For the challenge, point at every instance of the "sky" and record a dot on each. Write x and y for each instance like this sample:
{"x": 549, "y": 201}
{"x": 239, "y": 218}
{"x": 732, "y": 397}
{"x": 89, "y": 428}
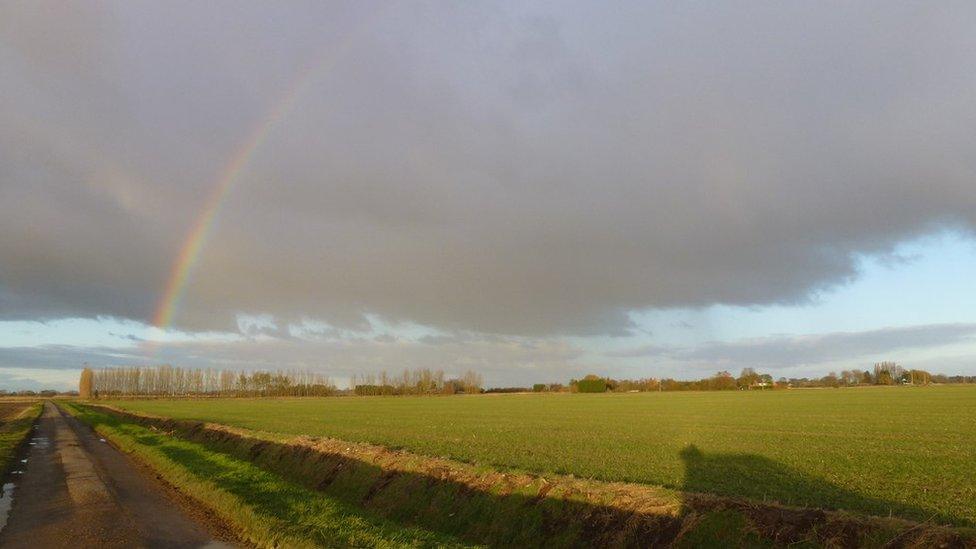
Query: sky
{"x": 534, "y": 190}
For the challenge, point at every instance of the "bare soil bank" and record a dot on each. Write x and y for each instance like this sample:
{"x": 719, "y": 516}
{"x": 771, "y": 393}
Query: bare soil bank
{"x": 500, "y": 508}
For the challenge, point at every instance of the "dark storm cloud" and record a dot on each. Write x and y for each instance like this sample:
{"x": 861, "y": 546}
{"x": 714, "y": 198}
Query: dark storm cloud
{"x": 508, "y": 169}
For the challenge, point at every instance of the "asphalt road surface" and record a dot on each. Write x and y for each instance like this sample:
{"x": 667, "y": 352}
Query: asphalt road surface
{"x": 78, "y": 491}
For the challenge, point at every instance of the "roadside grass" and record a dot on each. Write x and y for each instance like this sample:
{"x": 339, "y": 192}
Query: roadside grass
{"x": 266, "y": 509}
{"x": 16, "y": 425}
{"x": 889, "y": 451}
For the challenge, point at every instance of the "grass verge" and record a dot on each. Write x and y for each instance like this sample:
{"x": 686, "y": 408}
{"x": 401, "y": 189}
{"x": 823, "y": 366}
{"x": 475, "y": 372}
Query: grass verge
{"x": 264, "y": 508}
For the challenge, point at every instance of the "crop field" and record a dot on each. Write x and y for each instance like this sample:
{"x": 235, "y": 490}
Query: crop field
{"x": 16, "y": 417}
{"x": 906, "y": 452}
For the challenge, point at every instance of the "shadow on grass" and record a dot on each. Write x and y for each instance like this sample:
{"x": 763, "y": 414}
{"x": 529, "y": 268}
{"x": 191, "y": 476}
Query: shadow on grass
{"x": 495, "y": 514}
{"x": 396, "y": 501}
{"x": 286, "y": 507}
{"x": 762, "y": 479}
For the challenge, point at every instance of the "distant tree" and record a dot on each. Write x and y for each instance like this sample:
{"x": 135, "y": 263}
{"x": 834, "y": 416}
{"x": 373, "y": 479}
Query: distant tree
{"x": 883, "y": 377}
{"x": 722, "y": 381}
{"x": 85, "y": 383}
{"x": 830, "y": 380}
{"x": 917, "y": 377}
{"x": 850, "y": 377}
{"x": 748, "y": 377}
{"x": 472, "y": 382}
{"x": 592, "y": 384}
{"x": 887, "y": 373}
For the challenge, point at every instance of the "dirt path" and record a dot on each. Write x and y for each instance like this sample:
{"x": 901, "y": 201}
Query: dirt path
{"x": 77, "y": 491}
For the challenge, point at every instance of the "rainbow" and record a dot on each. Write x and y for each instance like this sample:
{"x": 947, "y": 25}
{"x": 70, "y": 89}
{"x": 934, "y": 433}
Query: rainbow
{"x": 229, "y": 176}
{"x": 196, "y": 240}
{"x": 189, "y": 253}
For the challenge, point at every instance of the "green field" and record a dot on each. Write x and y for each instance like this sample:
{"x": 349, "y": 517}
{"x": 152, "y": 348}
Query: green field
{"x": 16, "y": 417}
{"x": 909, "y": 452}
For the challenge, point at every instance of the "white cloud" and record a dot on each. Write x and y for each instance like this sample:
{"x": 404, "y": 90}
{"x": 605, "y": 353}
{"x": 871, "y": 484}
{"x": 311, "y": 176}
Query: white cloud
{"x": 14, "y": 379}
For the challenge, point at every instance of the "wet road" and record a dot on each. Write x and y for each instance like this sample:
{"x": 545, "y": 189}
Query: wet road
{"x": 76, "y": 491}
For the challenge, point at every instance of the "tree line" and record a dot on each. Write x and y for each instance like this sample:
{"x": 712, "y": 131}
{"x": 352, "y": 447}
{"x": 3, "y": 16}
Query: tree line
{"x": 47, "y": 393}
{"x": 883, "y": 373}
{"x": 172, "y": 381}
{"x": 417, "y": 382}
{"x": 176, "y": 381}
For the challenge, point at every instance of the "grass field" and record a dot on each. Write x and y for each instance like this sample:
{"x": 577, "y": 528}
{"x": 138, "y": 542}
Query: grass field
{"x": 16, "y": 417}
{"x": 902, "y": 451}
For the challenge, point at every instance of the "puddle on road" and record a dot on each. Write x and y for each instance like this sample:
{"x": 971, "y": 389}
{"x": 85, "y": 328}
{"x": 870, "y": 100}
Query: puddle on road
{"x": 40, "y": 442}
{"x": 6, "y": 502}
{"x": 7, "y": 492}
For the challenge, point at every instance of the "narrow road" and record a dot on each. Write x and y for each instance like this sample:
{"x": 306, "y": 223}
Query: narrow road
{"x": 77, "y": 491}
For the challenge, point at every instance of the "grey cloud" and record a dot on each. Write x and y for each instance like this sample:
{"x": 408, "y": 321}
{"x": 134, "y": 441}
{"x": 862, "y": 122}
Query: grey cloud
{"x": 641, "y": 351}
{"x": 255, "y": 328}
{"x": 130, "y": 337}
{"x": 59, "y": 357}
{"x": 502, "y": 169}
{"x": 502, "y": 362}
{"x": 791, "y": 351}
{"x": 438, "y": 339}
